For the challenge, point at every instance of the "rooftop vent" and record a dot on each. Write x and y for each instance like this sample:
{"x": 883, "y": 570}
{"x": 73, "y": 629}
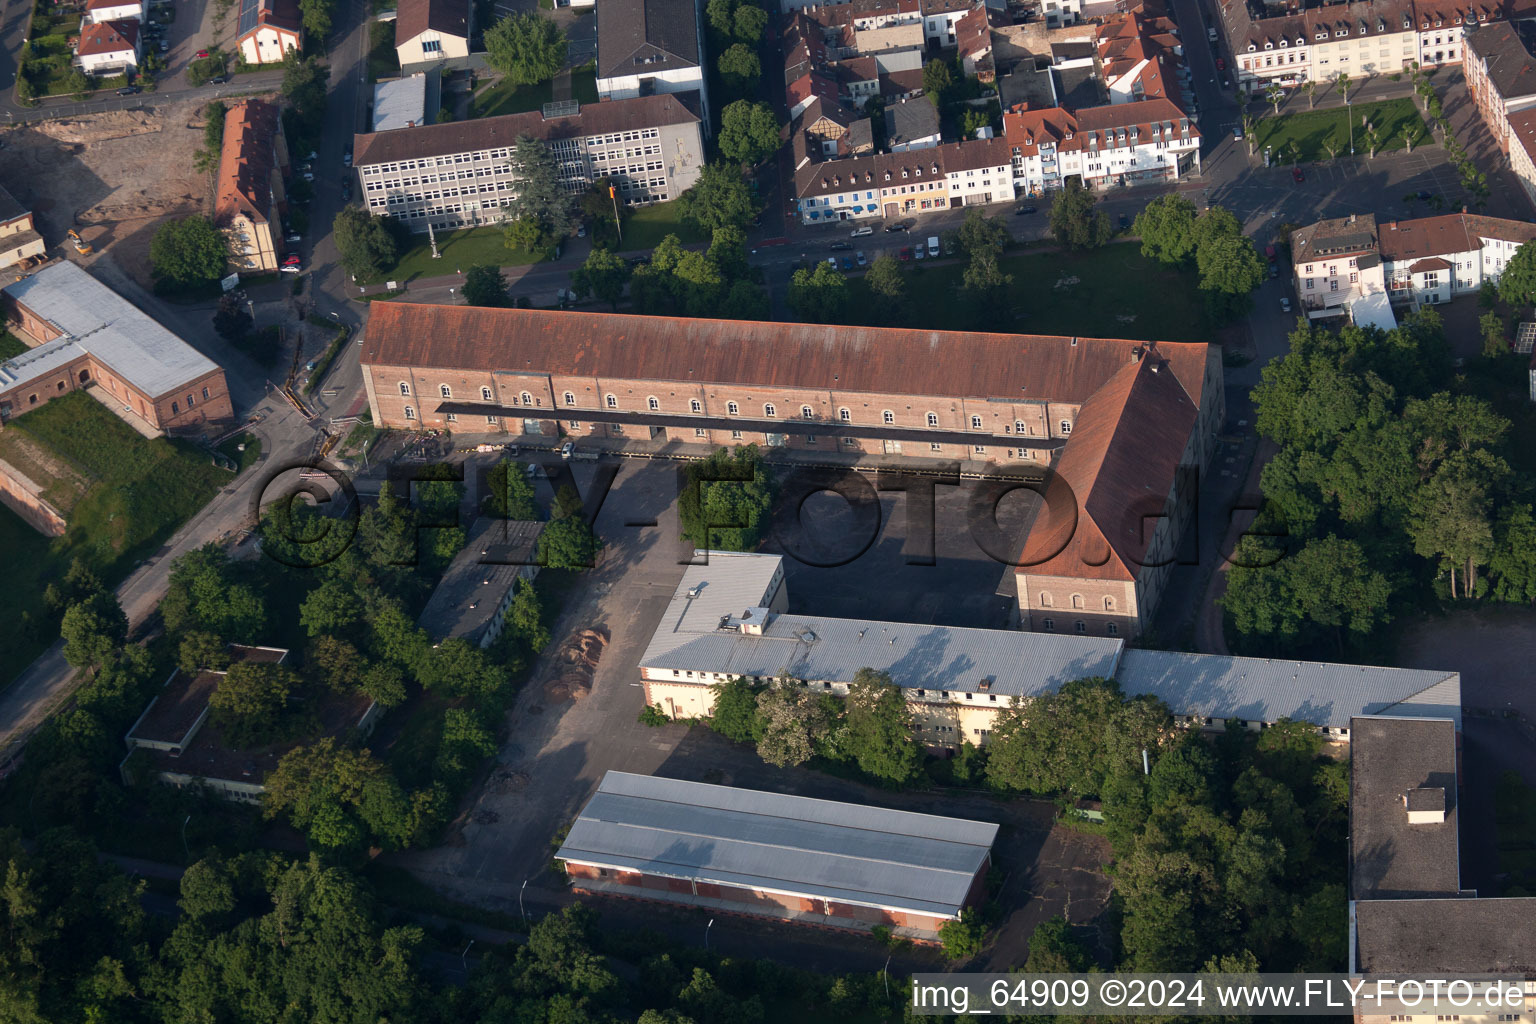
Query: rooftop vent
{"x": 985, "y": 684}
{"x": 694, "y": 592}
{"x": 753, "y": 620}
{"x": 1426, "y": 805}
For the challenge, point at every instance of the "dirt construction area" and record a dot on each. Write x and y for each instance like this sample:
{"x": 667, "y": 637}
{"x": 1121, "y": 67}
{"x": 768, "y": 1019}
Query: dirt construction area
{"x": 111, "y": 176}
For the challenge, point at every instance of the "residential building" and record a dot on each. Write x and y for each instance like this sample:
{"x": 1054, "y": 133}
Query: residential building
{"x": 475, "y": 591}
{"x": 1501, "y": 76}
{"x": 1061, "y": 13}
{"x": 720, "y": 625}
{"x": 19, "y": 239}
{"x": 108, "y": 48}
{"x": 1425, "y": 261}
{"x": 268, "y": 31}
{"x": 788, "y": 857}
{"x": 647, "y": 47}
{"x": 97, "y": 11}
{"x": 1121, "y": 144}
{"x": 406, "y": 102}
{"x": 973, "y": 44}
{"x": 911, "y": 125}
{"x": 1409, "y": 912}
{"x": 458, "y": 174}
{"x": 429, "y": 33}
{"x": 84, "y": 334}
{"x": 1127, "y": 424}
{"x": 1522, "y": 149}
{"x": 1138, "y": 58}
{"x": 174, "y": 742}
{"x": 248, "y": 197}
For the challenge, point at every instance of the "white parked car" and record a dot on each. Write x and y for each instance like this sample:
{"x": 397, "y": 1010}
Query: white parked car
{"x": 1285, "y": 304}
{"x": 568, "y": 449}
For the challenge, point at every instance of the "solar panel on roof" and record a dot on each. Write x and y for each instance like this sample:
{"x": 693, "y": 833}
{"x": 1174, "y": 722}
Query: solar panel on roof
{"x": 1525, "y": 336}
{"x": 249, "y": 9}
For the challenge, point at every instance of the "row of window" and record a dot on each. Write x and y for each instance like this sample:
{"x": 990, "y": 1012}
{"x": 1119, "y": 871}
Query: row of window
{"x": 1049, "y": 626}
{"x": 702, "y": 433}
{"x": 1077, "y": 601}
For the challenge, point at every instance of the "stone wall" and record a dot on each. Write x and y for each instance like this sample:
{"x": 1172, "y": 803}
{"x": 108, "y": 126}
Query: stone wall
{"x": 25, "y": 498}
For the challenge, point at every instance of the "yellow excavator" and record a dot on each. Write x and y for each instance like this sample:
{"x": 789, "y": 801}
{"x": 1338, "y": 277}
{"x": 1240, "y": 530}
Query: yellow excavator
{"x": 79, "y": 243}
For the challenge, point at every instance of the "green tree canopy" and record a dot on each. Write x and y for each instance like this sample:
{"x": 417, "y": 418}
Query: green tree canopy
{"x": 484, "y": 285}
{"x": 879, "y": 728}
{"x": 938, "y": 79}
{"x": 1230, "y": 269}
{"x": 734, "y": 714}
{"x": 340, "y": 798}
{"x": 1517, "y": 284}
{"x": 509, "y": 493}
{"x": 251, "y": 703}
{"x": 1167, "y": 229}
{"x": 207, "y": 592}
{"x": 93, "y": 629}
{"x": 749, "y": 132}
{"x": 365, "y": 243}
{"x": 188, "y": 251}
{"x": 1075, "y": 223}
{"x": 527, "y": 48}
{"x": 727, "y": 501}
{"x": 888, "y": 288}
{"x": 540, "y": 202}
{"x": 719, "y": 197}
{"x": 603, "y": 275}
{"x": 819, "y": 294}
{"x": 793, "y": 723}
{"x": 740, "y": 68}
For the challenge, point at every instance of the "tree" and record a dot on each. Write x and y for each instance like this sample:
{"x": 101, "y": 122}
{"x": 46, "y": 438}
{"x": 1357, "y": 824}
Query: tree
{"x": 1495, "y": 343}
{"x": 251, "y": 702}
{"x": 1074, "y": 222}
{"x": 720, "y": 196}
{"x": 1451, "y": 518}
{"x": 749, "y": 132}
{"x": 201, "y": 650}
{"x": 525, "y": 618}
{"x": 749, "y": 22}
{"x": 888, "y": 288}
{"x": 231, "y": 320}
{"x": 879, "y": 728}
{"x": 93, "y": 629}
{"x": 1411, "y": 134}
{"x": 734, "y": 714}
{"x": 1230, "y": 269}
{"x": 364, "y": 242}
{"x": 567, "y": 542}
{"x": 316, "y": 15}
{"x": 1167, "y": 229}
{"x": 1372, "y": 140}
{"x": 509, "y": 493}
{"x": 793, "y": 722}
{"x": 188, "y": 251}
{"x": 745, "y": 300}
{"x": 938, "y": 79}
{"x": 384, "y": 684}
{"x": 484, "y": 285}
{"x": 204, "y": 593}
{"x": 1328, "y": 586}
{"x": 598, "y": 203}
{"x": 740, "y": 68}
{"x": 1310, "y": 88}
{"x": 1250, "y": 123}
{"x": 818, "y": 294}
{"x": 1512, "y": 564}
{"x": 304, "y": 85}
{"x": 604, "y": 275}
{"x": 340, "y": 798}
{"x": 1274, "y": 94}
{"x": 728, "y": 499}
{"x": 1517, "y": 285}
{"x": 978, "y": 231}
{"x": 1331, "y": 146}
{"x": 972, "y": 121}
{"x": 986, "y": 286}
{"x": 527, "y": 48}
{"x": 728, "y": 252}
{"x": 540, "y": 200}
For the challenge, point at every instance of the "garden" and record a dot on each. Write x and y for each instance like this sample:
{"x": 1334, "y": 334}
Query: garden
{"x": 1317, "y": 135}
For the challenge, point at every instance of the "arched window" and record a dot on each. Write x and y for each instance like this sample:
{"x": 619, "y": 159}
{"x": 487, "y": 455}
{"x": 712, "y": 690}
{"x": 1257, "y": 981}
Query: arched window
{"x": 653, "y": 403}
{"x": 887, "y": 417}
{"x": 1045, "y": 600}
{"x": 570, "y": 399}
{"x": 1109, "y": 604}
{"x": 1066, "y": 427}
{"x": 806, "y": 413}
{"x": 769, "y": 411}
{"x": 845, "y": 415}
{"x": 405, "y": 389}
{"x": 975, "y": 422}
{"x": 732, "y": 408}
{"x": 445, "y": 390}
{"x": 694, "y": 405}
{"x": 485, "y": 394}
{"x": 410, "y": 413}
{"x": 1077, "y": 600}
{"x": 1019, "y": 427}
{"x": 933, "y": 419}
{"x": 611, "y": 402}
{"x": 527, "y": 398}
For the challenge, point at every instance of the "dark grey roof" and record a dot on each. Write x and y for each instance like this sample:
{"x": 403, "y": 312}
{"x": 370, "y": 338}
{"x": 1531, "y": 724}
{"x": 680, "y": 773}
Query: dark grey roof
{"x": 861, "y": 133}
{"x": 10, "y": 209}
{"x": 868, "y": 856}
{"x": 1511, "y": 68}
{"x": 1072, "y": 50}
{"x": 1078, "y": 88}
{"x": 1389, "y": 858}
{"x": 1355, "y": 233}
{"x": 479, "y": 577}
{"x": 913, "y": 119}
{"x": 1446, "y": 937}
{"x": 1268, "y": 689}
{"x": 636, "y": 37}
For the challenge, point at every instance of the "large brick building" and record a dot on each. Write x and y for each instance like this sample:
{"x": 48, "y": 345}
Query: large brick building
{"x": 86, "y": 335}
{"x": 1128, "y": 425}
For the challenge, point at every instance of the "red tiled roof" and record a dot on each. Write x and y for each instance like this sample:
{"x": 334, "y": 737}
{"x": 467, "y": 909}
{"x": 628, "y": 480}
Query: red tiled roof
{"x": 246, "y": 162}
{"x": 805, "y": 356}
{"x": 413, "y": 17}
{"x": 108, "y": 37}
{"x": 1425, "y": 266}
{"x": 1446, "y": 234}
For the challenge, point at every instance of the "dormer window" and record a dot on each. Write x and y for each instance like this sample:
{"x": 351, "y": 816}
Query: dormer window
{"x": 1342, "y": 32}
{"x": 1269, "y": 46}
{"x": 1300, "y": 41}
{"x": 887, "y": 175}
{"x": 1407, "y": 22}
{"x": 1437, "y": 23}
{"x": 1251, "y": 47}
{"x": 903, "y": 172}
{"x": 1320, "y": 35}
{"x": 935, "y": 168}
{"x": 918, "y": 172}
{"x": 1284, "y": 43}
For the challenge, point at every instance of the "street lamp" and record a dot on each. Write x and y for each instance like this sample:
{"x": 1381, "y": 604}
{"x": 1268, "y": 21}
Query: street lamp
{"x": 1349, "y": 115}
{"x": 464, "y": 957}
{"x": 706, "y": 933}
{"x": 520, "y": 909}
{"x": 184, "y": 838}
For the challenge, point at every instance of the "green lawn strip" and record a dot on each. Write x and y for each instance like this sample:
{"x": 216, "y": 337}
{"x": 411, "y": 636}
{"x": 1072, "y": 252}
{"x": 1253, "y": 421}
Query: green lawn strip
{"x": 324, "y": 362}
{"x": 1110, "y": 292}
{"x": 648, "y": 225}
{"x": 1515, "y": 820}
{"x": 460, "y": 250}
{"x": 244, "y": 459}
{"x": 505, "y": 98}
{"x": 383, "y": 61}
{"x": 584, "y": 84}
{"x": 10, "y": 345}
{"x": 30, "y": 566}
{"x": 1311, "y": 128}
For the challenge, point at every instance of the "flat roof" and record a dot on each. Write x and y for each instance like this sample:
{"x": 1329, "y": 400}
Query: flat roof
{"x": 470, "y": 591}
{"x": 400, "y": 103}
{"x": 1373, "y": 309}
{"x": 93, "y": 318}
{"x": 1268, "y": 689}
{"x": 870, "y": 856}
{"x": 1389, "y": 858}
{"x": 184, "y": 697}
{"x": 1443, "y": 937}
{"x": 728, "y": 584}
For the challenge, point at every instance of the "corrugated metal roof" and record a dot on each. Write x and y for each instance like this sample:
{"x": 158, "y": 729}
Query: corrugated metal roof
{"x": 1266, "y": 690}
{"x": 400, "y": 103}
{"x": 106, "y": 325}
{"x": 729, "y": 584}
{"x": 869, "y": 856}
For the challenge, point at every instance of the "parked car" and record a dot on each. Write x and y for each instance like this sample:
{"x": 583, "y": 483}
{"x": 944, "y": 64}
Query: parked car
{"x": 1125, "y": 223}
{"x": 919, "y": 253}
{"x": 905, "y": 255}
{"x": 346, "y": 191}
{"x": 1023, "y": 211}
{"x": 568, "y": 449}
{"x": 218, "y": 79}
{"x": 307, "y": 175}
{"x": 128, "y": 90}
{"x": 295, "y": 269}
{"x": 293, "y": 259}
{"x": 1423, "y": 197}
{"x": 836, "y": 246}
{"x": 291, "y": 237}
{"x": 346, "y": 158}
{"x": 1274, "y": 269}
{"x": 1237, "y": 132}
{"x": 1221, "y": 65}
{"x": 847, "y": 263}
{"x": 861, "y": 232}
{"x": 200, "y": 54}
{"x": 165, "y": 44}
{"x": 858, "y": 258}
{"x": 832, "y": 262}
{"x": 1285, "y": 304}
{"x": 581, "y": 232}
{"x": 1297, "y": 176}
{"x": 531, "y": 470}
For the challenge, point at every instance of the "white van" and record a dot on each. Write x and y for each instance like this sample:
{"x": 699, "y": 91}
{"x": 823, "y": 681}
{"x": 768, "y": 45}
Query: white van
{"x": 861, "y": 232}
{"x": 933, "y": 246}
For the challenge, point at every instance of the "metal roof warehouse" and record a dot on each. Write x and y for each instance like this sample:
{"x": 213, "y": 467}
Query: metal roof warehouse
{"x": 786, "y": 856}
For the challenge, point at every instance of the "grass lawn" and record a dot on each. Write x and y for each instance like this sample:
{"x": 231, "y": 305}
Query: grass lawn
{"x": 1515, "y": 816}
{"x": 648, "y": 225}
{"x": 137, "y": 492}
{"x": 1111, "y": 292}
{"x": 1310, "y": 129}
{"x": 584, "y": 83}
{"x": 244, "y": 459}
{"x": 383, "y": 61}
{"x": 460, "y": 250}
{"x": 505, "y": 98}
{"x": 10, "y": 345}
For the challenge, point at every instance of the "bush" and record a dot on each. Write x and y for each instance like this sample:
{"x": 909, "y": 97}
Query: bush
{"x": 963, "y": 939}
{"x": 653, "y": 716}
